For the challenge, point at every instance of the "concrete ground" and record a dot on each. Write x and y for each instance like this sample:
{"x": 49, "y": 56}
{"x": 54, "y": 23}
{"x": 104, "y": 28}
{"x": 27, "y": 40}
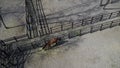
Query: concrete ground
{"x": 97, "y": 50}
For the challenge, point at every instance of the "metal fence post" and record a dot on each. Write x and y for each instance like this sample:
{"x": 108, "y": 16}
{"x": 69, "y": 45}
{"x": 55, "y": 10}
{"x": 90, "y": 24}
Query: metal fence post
{"x": 111, "y": 24}
{"x": 91, "y": 20}
{"x": 91, "y": 30}
{"x": 101, "y": 27}
{"x": 80, "y": 32}
{"x": 110, "y": 15}
{"x": 51, "y": 30}
{"x": 101, "y": 17}
{"x": 61, "y": 26}
{"x": 82, "y": 22}
{"x": 72, "y": 25}
{"x": 69, "y": 35}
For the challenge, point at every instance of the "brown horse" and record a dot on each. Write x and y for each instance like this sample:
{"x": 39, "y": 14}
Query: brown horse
{"x": 51, "y": 43}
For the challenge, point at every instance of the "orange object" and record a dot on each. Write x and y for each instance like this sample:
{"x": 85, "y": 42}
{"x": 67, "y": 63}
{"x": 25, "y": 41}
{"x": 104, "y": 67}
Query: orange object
{"x": 51, "y": 42}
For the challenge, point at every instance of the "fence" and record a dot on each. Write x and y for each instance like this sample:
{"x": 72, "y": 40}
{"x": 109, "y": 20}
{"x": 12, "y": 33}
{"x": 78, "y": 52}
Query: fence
{"x": 83, "y": 22}
{"x": 90, "y": 29}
